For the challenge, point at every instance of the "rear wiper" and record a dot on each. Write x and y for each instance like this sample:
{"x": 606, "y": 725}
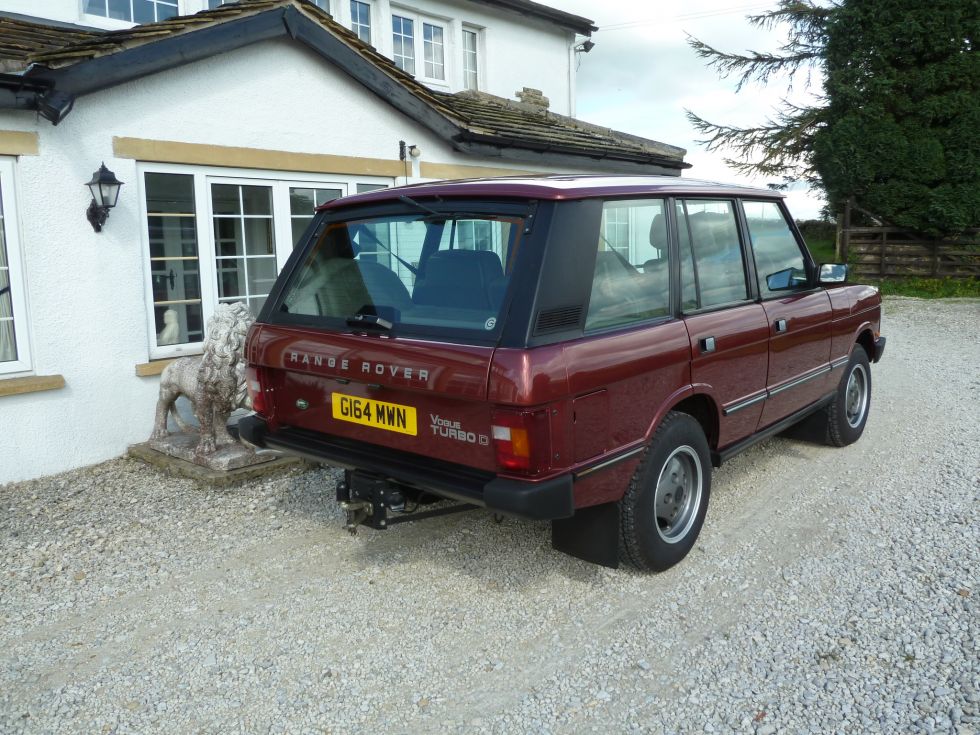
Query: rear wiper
{"x": 419, "y": 206}
{"x": 369, "y": 320}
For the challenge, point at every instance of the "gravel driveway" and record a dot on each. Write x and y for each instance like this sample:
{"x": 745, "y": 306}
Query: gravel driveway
{"x": 832, "y": 590}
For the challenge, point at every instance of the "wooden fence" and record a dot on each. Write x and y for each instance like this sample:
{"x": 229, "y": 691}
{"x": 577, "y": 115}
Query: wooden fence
{"x": 889, "y": 252}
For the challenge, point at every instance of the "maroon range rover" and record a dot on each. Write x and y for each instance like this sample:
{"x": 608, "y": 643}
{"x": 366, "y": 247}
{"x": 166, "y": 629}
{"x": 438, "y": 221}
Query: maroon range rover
{"x": 575, "y": 349}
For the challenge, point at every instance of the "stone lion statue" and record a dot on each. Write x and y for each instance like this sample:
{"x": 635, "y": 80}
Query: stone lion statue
{"x": 214, "y": 382}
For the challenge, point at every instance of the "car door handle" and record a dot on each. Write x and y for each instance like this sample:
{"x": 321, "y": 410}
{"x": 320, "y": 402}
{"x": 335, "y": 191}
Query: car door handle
{"x": 706, "y": 344}
{"x": 780, "y": 325}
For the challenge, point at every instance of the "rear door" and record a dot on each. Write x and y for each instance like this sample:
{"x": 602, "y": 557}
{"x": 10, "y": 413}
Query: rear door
{"x": 727, "y": 329}
{"x": 799, "y": 317}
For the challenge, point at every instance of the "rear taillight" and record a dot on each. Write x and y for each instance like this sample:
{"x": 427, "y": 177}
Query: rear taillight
{"x": 256, "y": 390}
{"x": 522, "y": 440}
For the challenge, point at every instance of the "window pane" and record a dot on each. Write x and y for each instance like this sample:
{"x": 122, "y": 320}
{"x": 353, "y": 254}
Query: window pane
{"x": 362, "y": 188}
{"x": 166, "y": 10}
{"x": 257, "y": 199}
{"x": 327, "y": 195}
{"x": 178, "y": 323}
{"x": 224, "y": 199}
{"x": 174, "y": 266}
{"x": 360, "y": 15}
{"x": 299, "y": 227}
{"x": 403, "y": 43}
{"x": 261, "y": 275}
{"x": 8, "y": 338}
{"x": 258, "y": 237}
{"x": 169, "y": 193}
{"x": 95, "y": 7}
{"x": 718, "y": 266}
{"x": 631, "y": 276}
{"x": 470, "y": 68}
{"x": 301, "y": 201}
{"x": 120, "y": 9}
{"x": 689, "y": 287}
{"x": 228, "y": 239}
{"x": 433, "y": 51}
{"x": 231, "y": 278}
{"x": 774, "y": 247}
{"x": 143, "y": 11}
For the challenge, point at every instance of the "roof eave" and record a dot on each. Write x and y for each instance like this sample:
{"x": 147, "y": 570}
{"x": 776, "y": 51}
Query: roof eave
{"x": 576, "y": 23}
{"x": 514, "y": 150}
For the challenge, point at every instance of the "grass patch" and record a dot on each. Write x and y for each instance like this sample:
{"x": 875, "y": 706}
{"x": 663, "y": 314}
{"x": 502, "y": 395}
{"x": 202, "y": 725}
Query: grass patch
{"x": 931, "y": 288}
{"x": 823, "y": 251}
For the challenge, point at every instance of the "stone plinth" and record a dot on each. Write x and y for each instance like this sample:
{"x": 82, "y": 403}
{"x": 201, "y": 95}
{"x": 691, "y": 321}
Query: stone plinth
{"x": 231, "y": 463}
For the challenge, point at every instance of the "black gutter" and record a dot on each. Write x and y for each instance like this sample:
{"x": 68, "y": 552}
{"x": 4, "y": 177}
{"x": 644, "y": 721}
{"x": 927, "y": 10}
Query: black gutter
{"x": 20, "y": 93}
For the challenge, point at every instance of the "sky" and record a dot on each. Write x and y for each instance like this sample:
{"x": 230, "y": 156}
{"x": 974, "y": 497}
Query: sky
{"x": 642, "y": 75}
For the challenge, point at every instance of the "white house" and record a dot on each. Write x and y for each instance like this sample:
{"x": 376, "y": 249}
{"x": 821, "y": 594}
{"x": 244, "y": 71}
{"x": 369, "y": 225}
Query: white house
{"x": 227, "y": 125}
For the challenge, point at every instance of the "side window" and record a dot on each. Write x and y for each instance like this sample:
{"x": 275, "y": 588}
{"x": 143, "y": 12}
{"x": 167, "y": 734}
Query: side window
{"x": 778, "y": 258}
{"x": 712, "y": 269}
{"x": 630, "y": 281}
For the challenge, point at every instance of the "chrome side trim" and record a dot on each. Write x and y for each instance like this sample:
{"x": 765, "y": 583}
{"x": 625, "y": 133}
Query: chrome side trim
{"x": 834, "y": 364}
{"x": 608, "y": 462}
{"x": 745, "y": 404}
{"x": 799, "y": 381}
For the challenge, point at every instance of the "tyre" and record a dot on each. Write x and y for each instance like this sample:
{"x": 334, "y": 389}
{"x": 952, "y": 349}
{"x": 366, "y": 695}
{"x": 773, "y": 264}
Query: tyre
{"x": 848, "y": 413}
{"x": 664, "y": 507}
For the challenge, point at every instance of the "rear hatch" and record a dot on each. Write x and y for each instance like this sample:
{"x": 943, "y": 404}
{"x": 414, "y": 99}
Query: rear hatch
{"x": 383, "y": 329}
{"x": 405, "y": 394}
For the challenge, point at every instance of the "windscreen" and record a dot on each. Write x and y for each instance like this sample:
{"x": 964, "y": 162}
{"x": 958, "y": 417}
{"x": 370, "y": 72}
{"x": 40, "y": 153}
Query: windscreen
{"x": 423, "y": 270}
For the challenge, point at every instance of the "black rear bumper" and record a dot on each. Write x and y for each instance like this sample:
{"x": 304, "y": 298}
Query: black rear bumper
{"x": 879, "y": 348}
{"x": 542, "y": 500}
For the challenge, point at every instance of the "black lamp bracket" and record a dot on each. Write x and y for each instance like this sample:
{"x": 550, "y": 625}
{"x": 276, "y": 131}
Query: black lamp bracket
{"x": 96, "y": 215}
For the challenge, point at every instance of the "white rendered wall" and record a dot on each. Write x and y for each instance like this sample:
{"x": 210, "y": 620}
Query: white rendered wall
{"x": 516, "y": 50}
{"x": 86, "y": 291}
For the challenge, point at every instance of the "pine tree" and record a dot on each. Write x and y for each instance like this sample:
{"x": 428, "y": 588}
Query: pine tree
{"x": 898, "y": 124}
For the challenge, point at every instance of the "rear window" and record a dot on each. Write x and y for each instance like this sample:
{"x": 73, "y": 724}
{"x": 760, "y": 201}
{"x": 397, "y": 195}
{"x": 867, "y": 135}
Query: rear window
{"x": 430, "y": 271}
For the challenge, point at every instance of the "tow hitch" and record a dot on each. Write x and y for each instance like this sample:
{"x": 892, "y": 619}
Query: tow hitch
{"x": 369, "y": 500}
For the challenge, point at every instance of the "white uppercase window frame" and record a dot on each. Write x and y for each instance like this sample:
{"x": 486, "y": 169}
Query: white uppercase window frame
{"x": 14, "y": 272}
{"x": 472, "y": 58}
{"x": 357, "y": 24}
{"x": 421, "y": 41}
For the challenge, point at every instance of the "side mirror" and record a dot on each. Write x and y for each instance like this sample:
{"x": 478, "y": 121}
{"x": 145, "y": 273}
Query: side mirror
{"x": 786, "y": 280}
{"x": 833, "y": 273}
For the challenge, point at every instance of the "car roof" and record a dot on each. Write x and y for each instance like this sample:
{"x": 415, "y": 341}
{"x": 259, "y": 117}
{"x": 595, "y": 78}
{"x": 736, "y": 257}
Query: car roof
{"x": 555, "y": 188}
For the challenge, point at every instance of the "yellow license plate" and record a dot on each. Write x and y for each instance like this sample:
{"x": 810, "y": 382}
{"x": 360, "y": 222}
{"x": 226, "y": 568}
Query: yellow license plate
{"x": 380, "y": 415}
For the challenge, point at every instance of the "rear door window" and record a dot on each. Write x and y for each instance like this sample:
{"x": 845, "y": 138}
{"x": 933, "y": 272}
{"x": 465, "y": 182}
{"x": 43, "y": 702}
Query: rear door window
{"x": 630, "y": 282}
{"x": 779, "y": 261}
{"x": 414, "y": 270}
{"x": 712, "y": 267}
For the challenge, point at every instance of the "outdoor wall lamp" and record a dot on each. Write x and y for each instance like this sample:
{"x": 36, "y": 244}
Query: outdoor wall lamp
{"x": 405, "y": 150}
{"x": 105, "y": 192}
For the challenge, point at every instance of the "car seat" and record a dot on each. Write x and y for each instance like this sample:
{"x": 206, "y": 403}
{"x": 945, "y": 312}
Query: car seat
{"x": 460, "y": 279}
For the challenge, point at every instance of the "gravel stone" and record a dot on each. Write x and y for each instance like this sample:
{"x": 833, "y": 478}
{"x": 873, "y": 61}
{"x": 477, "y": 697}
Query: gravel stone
{"x": 836, "y": 592}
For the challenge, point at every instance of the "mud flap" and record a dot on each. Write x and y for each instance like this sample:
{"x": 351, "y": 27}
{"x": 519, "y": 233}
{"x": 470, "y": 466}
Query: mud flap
{"x": 592, "y": 534}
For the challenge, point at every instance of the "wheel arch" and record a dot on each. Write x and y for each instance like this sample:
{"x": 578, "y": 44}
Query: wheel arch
{"x": 700, "y": 406}
{"x": 866, "y": 339}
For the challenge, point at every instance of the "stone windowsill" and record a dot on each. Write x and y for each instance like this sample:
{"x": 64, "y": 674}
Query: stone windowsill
{"x": 30, "y": 384}
{"x": 153, "y": 367}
